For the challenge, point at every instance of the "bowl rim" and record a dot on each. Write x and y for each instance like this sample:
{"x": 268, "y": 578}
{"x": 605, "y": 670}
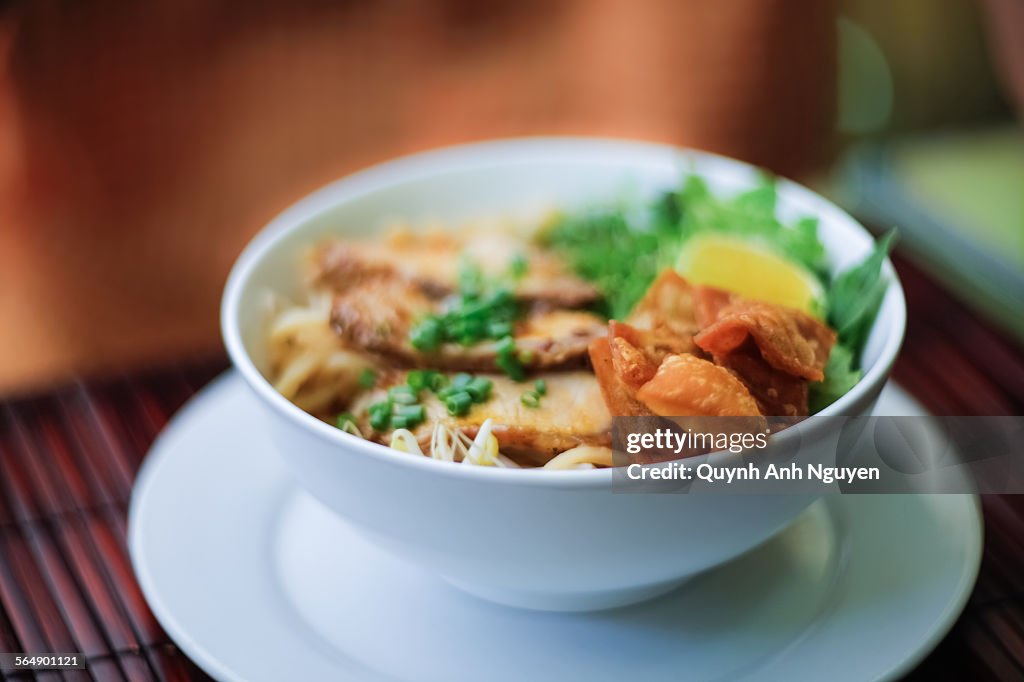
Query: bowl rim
{"x": 477, "y": 156}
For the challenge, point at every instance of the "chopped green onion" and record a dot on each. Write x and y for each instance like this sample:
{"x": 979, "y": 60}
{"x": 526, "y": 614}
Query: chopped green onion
{"x": 507, "y": 360}
{"x": 380, "y": 415}
{"x": 461, "y": 380}
{"x": 413, "y": 414}
{"x": 438, "y": 381}
{"x": 343, "y": 419}
{"x": 427, "y": 335}
{"x": 512, "y": 367}
{"x": 400, "y": 422}
{"x": 480, "y": 389}
{"x": 426, "y": 380}
{"x": 540, "y": 386}
{"x": 409, "y": 410}
{"x": 459, "y": 403}
{"x": 418, "y": 379}
{"x": 367, "y": 378}
{"x": 403, "y": 395}
{"x": 478, "y": 314}
{"x": 530, "y": 399}
{"x": 449, "y": 391}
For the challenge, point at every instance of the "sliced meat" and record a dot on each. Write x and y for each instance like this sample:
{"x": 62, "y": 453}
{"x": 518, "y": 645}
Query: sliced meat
{"x": 557, "y": 338}
{"x": 378, "y": 315}
{"x": 432, "y": 261}
{"x": 571, "y": 413}
{"x": 787, "y": 339}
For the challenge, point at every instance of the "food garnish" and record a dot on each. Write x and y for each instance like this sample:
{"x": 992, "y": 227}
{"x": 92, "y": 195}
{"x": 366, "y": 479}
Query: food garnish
{"x": 367, "y": 378}
{"x": 623, "y": 248}
{"x": 751, "y": 269}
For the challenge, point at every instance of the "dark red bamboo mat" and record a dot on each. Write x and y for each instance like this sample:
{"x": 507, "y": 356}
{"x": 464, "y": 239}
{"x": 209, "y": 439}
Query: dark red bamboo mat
{"x": 68, "y": 459}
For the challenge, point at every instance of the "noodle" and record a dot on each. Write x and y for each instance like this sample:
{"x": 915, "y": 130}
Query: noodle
{"x": 309, "y": 365}
{"x": 582, "y": 457}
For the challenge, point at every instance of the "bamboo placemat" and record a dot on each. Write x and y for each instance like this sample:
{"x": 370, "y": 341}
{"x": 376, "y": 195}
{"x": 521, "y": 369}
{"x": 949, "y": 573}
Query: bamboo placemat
{"x": 68, "y": 459}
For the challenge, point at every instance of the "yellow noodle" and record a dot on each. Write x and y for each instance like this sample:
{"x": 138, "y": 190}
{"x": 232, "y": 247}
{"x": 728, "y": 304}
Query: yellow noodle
{"x": 308, "y": 364}
{"x": 595, "y": 455}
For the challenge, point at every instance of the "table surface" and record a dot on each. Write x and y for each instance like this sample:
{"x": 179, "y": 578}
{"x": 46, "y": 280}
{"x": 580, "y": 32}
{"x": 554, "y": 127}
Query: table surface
{"x": 68, "y": 459}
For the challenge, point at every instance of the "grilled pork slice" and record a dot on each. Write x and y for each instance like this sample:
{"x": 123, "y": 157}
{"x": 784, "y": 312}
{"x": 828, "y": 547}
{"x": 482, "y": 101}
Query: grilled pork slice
{"x": 571, "y": 413}
{"x": 432, "y": 262}
{"x": 378, "y": 316}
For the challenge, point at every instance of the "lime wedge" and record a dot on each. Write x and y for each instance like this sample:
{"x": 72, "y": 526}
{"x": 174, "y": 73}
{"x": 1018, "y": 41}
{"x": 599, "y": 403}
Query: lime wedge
{"x": 750, "y": 269}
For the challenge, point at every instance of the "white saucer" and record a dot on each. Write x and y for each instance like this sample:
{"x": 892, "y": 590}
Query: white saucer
{"x": 256, "y": 581}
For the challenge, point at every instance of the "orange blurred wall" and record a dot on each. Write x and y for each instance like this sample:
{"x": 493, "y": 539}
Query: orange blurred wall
{"x": 141, "y": 144}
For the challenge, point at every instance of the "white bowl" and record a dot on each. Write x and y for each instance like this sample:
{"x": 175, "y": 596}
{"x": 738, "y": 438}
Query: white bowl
{"x": 555, "y": 540}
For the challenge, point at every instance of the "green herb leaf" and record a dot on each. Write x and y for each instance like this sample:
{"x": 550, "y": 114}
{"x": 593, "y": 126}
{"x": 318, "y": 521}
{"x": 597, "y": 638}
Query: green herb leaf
{"x": 622, "y": 249}
{"x": 840, "y": 376}
{"x": 606, "y": 248}
{"x": 856, "y": 294}
{"x": 518, "y": 266}
{"x": 471, "y": 280}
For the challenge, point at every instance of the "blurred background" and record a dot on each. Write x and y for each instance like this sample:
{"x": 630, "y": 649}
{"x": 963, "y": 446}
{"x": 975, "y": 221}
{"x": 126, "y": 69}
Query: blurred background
{"x": 143, "y": 143}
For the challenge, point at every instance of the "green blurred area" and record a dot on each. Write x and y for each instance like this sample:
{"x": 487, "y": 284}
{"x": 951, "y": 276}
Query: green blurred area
{"x": 973, "y": 182}
{"x": 930, "y": 143}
